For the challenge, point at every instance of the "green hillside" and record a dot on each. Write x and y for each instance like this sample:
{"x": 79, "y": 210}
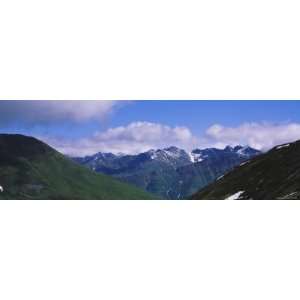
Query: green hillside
{"x": 30, "y": 169}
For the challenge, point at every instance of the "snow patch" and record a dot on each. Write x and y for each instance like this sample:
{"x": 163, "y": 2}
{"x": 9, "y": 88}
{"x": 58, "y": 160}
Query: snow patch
{"x": 192, "y": 159}
{"x": 246, "y": 162}
{"x": 242, "y": 151}
{"x": 195, "y": 157}
{"x": 289, "y": 195}
{"x": 235, "y": 196}
{"x": 282, "y": 146}
{"x": 220, "y": 177}
{"x": 153, "y": 154}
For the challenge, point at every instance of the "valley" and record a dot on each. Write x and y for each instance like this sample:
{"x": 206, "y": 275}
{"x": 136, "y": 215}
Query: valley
{"x": 169, "y": 173}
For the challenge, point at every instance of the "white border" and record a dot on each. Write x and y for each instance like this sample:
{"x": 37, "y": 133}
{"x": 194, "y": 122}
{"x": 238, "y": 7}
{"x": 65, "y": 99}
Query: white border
{"x": 149, "y": 250}
{"x": 135, "y": 49}
{"x": 138, "y": 49}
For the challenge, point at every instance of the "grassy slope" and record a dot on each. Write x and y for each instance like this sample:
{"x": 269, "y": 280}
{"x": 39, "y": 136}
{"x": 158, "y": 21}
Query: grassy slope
{"x": 29, "y": 169}
{"x": 273, "y": 175}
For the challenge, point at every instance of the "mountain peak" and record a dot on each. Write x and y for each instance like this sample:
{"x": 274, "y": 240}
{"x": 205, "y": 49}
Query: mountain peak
{"x": 18, "y": 145}
{"x": 244, "y": 151}
{"x": 30, "y": 169}
{"x": 172, "y": 149}
{"x": 228, "y": 148}
{"x": 239, "y": 147}
{"x": 168, "y": 154}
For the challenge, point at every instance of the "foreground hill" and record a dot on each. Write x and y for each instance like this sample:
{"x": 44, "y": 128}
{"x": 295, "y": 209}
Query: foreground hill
{"x": 30, "y": 169}
{"x": 170, "y": 173}
{"x": 273, "y": 175}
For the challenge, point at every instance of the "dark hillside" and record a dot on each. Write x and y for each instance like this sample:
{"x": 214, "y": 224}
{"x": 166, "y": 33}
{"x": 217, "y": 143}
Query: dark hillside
{"x": 273, "y": 175}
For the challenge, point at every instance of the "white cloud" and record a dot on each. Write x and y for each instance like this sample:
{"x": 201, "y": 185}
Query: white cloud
{"x": 133, "y": 138}
{"x": 47, "y": 111}
{"x": 138, "y": 137}
{"x": 261, "y": 136}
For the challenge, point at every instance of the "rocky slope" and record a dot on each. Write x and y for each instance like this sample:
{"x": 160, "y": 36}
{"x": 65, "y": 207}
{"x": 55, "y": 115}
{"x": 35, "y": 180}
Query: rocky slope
{"x": 273, "y": 175}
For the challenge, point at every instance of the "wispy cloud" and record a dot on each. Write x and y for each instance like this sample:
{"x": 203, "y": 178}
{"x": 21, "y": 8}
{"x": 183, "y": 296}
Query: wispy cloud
{"x": 34, "y": 112}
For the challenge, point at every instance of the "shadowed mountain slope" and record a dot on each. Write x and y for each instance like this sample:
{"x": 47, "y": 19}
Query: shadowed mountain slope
{"x": 273, "y": 175}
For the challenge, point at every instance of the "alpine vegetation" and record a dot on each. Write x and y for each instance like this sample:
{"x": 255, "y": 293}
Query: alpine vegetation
{"x": 30, "y": 169}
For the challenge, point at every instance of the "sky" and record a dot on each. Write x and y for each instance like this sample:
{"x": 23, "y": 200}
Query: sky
{"x": 81, "y": 128}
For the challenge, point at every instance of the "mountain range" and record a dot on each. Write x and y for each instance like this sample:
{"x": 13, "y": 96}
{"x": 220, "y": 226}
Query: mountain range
{"x": 169, "y": 173}
{"x": 30, "y": 169}
{"x": 272, "y": 175}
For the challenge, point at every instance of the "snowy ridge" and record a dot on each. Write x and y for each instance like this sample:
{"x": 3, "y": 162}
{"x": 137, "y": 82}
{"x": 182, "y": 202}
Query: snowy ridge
{"x": 173, "y": 155}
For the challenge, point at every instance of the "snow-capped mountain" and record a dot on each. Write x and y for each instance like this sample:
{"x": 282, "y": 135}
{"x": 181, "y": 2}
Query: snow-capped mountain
{"x": 94, "y": 161}
{"x": 243, "y": 151}
{"x": 170, "y": 172}
{"x": 172, "y": 155}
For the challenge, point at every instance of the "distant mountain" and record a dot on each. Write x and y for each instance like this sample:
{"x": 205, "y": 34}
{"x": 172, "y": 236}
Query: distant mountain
{"x": 171, "y": 173}
{"x": 273, "y": 175}
{"x": 211, "y": 163}
{"x": 30, "y": 169}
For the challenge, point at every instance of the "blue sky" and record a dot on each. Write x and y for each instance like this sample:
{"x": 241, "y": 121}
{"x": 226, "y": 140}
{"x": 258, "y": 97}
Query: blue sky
{"x": 198, "y": 115}
{"x": 133, "y": 126}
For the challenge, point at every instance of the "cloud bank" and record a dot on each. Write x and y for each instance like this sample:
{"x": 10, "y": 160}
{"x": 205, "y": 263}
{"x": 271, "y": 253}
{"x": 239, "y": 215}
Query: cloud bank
{"x": 138, "y": 137}
{"x": 134, "y": 138}
{"x": 261, "y": 136}
{"x": 32, "y": 112}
